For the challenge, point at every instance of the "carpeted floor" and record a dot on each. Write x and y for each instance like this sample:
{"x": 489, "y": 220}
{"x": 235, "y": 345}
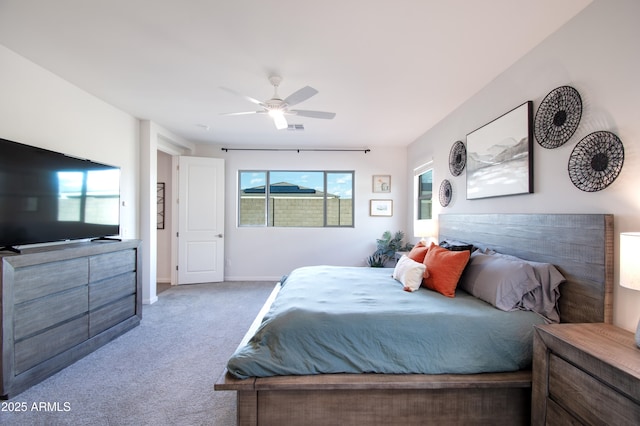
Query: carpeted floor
{"x": 160, "y": 373}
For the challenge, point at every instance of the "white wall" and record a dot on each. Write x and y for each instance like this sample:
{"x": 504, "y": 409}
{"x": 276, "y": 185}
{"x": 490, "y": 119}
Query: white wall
{"x": 597, "y": 53}
{"x": 268, "y": 253}
{"x": 40, "y": 109}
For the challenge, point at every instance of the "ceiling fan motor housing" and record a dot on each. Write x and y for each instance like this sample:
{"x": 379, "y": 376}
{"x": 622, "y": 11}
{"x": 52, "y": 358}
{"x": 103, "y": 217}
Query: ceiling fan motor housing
{"x": 275, "y": 80}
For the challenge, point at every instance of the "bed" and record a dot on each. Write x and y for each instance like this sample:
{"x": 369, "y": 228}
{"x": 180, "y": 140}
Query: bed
{"x": 579, "y": 245}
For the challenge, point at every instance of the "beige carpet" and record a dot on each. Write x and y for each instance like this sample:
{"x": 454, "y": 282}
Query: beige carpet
{"x": 160, "y": 373}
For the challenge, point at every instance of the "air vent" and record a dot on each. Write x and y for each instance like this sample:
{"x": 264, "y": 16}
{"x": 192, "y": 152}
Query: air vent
{"x": 296, "y": 127}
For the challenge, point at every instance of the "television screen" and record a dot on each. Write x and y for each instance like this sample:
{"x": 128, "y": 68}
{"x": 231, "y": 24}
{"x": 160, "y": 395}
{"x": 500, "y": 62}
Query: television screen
{"x": 46, "y": 196}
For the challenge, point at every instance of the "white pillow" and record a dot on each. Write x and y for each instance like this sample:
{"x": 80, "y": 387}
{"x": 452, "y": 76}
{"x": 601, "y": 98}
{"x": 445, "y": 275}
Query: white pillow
{"x": 409, "y": 273}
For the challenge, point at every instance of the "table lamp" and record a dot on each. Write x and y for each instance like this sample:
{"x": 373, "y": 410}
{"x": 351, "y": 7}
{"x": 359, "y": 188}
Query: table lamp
{"x": 630, "y": 266}
{"x": 426, "y": 229}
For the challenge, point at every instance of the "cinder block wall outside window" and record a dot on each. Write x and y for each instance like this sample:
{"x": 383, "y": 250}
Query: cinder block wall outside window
{"x": 296, "y": 211}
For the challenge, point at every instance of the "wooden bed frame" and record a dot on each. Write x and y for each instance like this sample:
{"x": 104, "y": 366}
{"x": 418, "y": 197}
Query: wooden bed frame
{"x": 580, "y": 245}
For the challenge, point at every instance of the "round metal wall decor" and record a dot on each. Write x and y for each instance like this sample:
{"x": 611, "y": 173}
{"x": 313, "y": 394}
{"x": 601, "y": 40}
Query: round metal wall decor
{"x": 558, "y": 117}
{"x": 457, "y": 158}
{"x": 446, "y": 192}
{"x": 596, "y": 161}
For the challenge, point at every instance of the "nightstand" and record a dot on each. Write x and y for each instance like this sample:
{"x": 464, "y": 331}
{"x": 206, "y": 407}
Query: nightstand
{"x": 585, "y": 373}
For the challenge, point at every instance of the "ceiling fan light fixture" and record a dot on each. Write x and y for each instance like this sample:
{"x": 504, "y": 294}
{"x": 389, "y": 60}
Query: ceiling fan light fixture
{"x": 273, "y": 113}
{"x": 278, "y": 119}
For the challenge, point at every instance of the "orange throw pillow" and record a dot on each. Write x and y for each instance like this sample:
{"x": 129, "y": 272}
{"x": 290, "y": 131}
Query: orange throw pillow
{"x": 418, "y": 252}
{"x": 444, "y": 269}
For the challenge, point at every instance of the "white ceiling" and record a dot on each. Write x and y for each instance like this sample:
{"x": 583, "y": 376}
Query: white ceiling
{"x": 390, "y": 70}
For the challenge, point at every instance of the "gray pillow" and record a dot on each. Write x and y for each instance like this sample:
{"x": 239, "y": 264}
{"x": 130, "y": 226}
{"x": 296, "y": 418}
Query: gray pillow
{"x": 544, "y": 299}
{"x": 498, "y": 281}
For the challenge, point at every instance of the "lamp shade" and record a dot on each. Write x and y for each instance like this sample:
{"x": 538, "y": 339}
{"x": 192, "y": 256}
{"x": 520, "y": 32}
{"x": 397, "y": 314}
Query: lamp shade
{"x": 425, "y": 228}
{"x": 630, "y": 260}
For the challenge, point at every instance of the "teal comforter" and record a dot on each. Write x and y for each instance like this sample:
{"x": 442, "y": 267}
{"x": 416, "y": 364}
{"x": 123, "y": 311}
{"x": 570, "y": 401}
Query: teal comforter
{"x": 329, "y": 319}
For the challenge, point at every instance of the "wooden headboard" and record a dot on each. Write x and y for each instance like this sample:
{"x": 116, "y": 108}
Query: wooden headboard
{"x": 579, "y": 245}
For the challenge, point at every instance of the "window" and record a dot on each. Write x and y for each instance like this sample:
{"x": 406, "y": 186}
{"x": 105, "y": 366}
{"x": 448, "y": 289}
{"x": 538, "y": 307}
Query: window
{"x": 425, "y": 195}
{"x": 295, "y": 198}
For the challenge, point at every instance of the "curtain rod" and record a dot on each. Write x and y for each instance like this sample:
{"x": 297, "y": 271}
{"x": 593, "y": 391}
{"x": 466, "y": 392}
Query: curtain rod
{"x": 365, "y": 150}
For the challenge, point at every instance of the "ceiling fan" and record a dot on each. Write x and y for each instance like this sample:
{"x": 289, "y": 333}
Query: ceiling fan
{"x": 277, "y": 107}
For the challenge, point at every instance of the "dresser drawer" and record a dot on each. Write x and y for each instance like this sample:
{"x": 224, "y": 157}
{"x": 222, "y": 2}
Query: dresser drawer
{"x": 36, "y": 281}
{"x": 568, "y": 386}
{"x": 37, "y": 315}
{"x": 111, "y": 289}
{"x": 111, "y": 314}
{"x": 41, "y": 347}
{"x": 111, "y": 264}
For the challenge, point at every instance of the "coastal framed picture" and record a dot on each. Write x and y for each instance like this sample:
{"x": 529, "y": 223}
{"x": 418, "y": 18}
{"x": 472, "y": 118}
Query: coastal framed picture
{"x": 381, "y": 208}
{"x": 500, "y": 155}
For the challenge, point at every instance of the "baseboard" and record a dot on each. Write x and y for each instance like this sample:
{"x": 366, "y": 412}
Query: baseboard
{"x": 150, "y": 301}
{"x": 253, "y": 278}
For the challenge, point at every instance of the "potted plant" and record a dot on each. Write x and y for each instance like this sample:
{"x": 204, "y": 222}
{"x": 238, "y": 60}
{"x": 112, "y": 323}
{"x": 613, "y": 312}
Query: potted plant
{"x": 387, "y": 246}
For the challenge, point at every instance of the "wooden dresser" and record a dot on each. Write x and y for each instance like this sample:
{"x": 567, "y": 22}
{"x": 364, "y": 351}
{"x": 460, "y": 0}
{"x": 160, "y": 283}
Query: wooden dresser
{"x": 585, "y": 374}
{"x": 62, "y": 302}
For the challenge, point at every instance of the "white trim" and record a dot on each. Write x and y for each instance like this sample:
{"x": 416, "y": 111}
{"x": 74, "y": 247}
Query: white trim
{"x": 254, "y": 278}
{"x": 422, "y": 223}
{"x": 423, "y": 168}
{"x": 150, "y": 301}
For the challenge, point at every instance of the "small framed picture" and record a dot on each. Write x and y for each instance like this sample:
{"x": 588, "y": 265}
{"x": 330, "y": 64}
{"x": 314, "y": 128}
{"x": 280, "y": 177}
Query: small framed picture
{"x": 381, "y": 183}
{"x": 381, "y": 208}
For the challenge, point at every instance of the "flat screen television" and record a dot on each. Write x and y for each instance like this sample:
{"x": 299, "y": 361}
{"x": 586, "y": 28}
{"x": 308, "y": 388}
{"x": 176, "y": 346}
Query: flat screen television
{"x": 47, "y": 196}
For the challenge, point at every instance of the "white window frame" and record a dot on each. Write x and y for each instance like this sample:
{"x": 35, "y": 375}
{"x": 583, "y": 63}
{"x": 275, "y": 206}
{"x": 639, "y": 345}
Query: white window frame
{"x": 423, "y": 228}
{"x": 268, "y": 194}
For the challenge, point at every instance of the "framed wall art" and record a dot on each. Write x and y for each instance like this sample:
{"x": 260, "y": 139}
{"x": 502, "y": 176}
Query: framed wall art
{"x": 381, "y": 183}
{"x": 457, "y": 158}
{"x": 445, "y": 193}
{"x": 596, "y": 161}
{"x": 500, "y": 155}
{"x": 160, "y": 208}
{"x": 381, "y": 208}
{"x": 557, "y": 117}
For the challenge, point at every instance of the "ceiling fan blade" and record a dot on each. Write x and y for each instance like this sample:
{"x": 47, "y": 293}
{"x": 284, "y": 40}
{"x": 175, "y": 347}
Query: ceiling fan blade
{"x": 242, "y": 113}
{"x": 249, "y": 98}
{"x": 280, "y": 121}
{"x": 301, "y": 95}
{"x": 313, "y": 114}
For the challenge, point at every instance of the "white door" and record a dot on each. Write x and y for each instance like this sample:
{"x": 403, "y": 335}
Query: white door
{"x": 200, "y": 220}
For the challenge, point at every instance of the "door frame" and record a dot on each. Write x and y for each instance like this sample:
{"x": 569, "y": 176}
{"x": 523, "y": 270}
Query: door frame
{"x": 152, "y": 139}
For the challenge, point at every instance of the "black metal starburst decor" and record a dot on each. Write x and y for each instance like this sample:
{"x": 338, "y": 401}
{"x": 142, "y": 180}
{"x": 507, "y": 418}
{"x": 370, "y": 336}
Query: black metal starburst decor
{"x": 457, "y": 158}
{"x": 596, "y": 161}
{"x": 558, "y": 117}
{"x": 446, "y": 192}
